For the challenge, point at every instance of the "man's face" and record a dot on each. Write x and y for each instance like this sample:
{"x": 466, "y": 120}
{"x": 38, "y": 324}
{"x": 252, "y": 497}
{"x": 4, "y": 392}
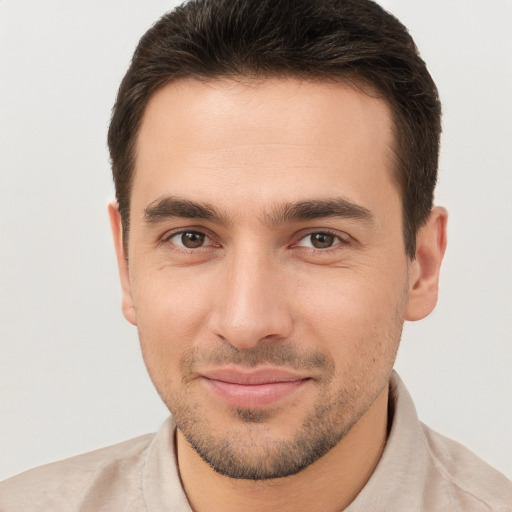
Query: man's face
{"x": 267, "y": 273}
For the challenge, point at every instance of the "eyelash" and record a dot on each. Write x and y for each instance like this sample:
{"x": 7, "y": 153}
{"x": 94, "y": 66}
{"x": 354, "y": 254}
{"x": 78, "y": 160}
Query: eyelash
{"x": 343, "y": 241}
{"x": 166, "y": 239}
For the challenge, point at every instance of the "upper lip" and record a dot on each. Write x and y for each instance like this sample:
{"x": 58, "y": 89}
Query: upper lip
{"x": 252, "y": 377}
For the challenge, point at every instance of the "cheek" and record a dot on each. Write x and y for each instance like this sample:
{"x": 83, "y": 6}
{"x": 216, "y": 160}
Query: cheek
{"x": 169, "y": 297}
{"x": 356, "y": 316}
{"x": 171, "y": 314}
{"x": 359, "y": 327}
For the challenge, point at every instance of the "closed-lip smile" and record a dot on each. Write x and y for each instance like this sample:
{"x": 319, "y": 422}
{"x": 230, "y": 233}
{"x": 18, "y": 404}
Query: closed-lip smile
{"x": 253, "y": 388}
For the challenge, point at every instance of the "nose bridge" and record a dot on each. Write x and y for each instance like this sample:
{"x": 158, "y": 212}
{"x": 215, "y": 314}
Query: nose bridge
{"x": 251, "y": 304}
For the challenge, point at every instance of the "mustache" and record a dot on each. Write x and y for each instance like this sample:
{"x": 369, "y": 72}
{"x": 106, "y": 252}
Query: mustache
{"x": 265, "y": 354}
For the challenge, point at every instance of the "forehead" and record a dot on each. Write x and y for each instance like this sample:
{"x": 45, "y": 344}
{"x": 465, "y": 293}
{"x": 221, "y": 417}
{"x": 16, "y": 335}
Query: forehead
{"x": 278, "y": 139}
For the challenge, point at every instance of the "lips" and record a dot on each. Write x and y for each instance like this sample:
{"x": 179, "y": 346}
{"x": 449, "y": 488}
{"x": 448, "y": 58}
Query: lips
{"x": 255, "y": 388}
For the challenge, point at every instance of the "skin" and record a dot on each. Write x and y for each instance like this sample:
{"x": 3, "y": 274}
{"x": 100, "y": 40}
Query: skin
{"x": 255, "y": 293}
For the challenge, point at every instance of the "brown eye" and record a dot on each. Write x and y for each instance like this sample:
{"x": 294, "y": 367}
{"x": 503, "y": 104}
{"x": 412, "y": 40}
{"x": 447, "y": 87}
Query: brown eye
{"x": 322, "y": 240}
{"x": 189, "y": 239}
{"x": 319, "y": 240}
{"x": 192, "y": 240}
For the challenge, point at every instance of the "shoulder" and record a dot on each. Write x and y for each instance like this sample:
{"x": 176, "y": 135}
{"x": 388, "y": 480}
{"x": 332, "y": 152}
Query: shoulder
{"x": 468, "y": 481}
{"x": 64, "y": 485}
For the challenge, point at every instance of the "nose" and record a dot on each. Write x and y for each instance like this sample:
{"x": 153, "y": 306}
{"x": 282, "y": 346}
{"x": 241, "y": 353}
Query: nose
{"x": 251, "y": 304}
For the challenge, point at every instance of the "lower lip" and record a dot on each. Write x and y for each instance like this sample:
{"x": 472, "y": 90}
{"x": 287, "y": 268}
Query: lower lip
{"x": 255, "y": 395}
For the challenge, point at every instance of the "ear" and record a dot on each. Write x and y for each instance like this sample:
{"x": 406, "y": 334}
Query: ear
{"x": 122, "y": 262}
{"x": 424, "y": 270}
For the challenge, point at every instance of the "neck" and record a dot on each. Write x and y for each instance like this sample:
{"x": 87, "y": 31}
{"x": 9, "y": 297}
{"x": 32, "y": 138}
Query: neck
{"x": 329, "y": 484}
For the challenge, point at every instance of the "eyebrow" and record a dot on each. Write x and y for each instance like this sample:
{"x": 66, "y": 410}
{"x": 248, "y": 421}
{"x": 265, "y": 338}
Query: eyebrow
{"x": 168, "y": 207}
{"x": 318, "y": 209}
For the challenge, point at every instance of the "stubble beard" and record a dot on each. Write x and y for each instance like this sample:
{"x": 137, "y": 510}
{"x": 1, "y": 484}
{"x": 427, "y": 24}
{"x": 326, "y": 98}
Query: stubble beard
{"x": 249, "y": 452}
{"x": 248, "y": 449}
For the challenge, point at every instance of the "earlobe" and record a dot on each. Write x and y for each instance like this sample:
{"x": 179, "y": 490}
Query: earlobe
{"x": 424, "y": 270}
{"x": 122, "y": 262}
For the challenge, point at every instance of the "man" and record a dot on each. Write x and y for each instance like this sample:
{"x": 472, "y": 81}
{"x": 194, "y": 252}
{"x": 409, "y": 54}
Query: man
{"x": 274, "y": 166}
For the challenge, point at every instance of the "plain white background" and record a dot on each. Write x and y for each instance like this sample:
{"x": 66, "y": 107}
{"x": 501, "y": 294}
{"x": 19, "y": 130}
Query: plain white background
{"x": 71, "y": 375}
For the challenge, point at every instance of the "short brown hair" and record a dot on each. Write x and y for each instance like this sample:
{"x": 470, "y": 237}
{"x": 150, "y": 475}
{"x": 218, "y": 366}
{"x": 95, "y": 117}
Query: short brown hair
{"x": 348, "y": 40}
